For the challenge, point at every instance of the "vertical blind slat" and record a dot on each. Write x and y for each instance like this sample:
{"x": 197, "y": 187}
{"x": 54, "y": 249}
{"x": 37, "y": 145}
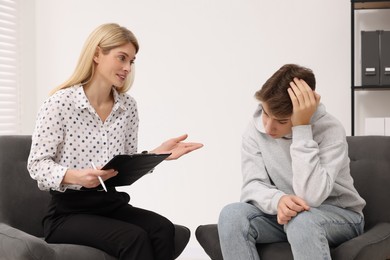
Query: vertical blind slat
{"x": 9, "y": 68}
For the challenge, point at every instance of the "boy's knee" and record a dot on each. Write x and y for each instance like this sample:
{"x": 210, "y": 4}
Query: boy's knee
{"x": 235, "y": 217}
{"x": 230, "y": 213}
{"x": 302, "y": 227}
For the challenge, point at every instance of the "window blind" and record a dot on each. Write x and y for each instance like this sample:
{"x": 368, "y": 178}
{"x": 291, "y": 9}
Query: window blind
{"x": 9, "y": 68}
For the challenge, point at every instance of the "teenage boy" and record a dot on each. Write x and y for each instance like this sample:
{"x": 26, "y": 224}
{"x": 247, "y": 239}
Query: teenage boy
{"x": 297, "y": 185}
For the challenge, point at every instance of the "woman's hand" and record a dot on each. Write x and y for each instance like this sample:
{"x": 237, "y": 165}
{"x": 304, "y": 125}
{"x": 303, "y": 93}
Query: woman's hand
{"x": 176, "y": 147}
{"x": 87, "y": 178}
{"x": 304, "y": 100}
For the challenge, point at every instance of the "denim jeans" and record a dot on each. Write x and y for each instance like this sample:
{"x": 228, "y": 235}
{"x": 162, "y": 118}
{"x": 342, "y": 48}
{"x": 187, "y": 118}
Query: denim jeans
{"x": 310, "y": 233}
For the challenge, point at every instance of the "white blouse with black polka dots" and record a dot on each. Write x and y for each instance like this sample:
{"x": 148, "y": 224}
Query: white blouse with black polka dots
{"x": 69, "y": 134}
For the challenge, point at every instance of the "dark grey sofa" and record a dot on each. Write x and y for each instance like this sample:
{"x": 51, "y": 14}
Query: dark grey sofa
{"x": 370, "y": 168}
{"x": 22, "y": 206}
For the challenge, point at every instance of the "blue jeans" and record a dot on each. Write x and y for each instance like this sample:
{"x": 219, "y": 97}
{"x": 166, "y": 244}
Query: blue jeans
{"x": 310, "y": 233}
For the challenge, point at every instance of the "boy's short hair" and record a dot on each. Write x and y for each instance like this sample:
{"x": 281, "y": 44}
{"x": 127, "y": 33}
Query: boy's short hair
{"x": 274, "y": 91}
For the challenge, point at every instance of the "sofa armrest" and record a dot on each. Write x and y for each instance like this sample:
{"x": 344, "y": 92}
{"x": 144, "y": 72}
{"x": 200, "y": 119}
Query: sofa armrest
{"x": 16, "y": 244}
{"x": 373, "y": 244}
{"x": 207, "y": 236}
{"x": 182, "y": 237}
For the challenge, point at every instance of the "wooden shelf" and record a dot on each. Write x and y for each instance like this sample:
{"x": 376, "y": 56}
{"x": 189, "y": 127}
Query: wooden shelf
{"x": 358, "y": 5}
{"x": 386, "y": 87}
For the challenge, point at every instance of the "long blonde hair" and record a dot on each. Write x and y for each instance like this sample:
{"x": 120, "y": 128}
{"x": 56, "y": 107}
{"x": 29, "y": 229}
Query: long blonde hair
{"x": 107, "y": 37}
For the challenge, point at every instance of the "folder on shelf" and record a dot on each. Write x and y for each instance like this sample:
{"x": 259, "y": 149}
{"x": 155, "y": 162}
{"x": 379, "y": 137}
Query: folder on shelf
{"x": 370, "y": 58}
{"x": 130, "y": 168}
{"x": 385, "y": 58}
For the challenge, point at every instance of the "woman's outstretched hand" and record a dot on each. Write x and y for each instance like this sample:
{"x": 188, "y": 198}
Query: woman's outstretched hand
{"x": 176, "y": 147}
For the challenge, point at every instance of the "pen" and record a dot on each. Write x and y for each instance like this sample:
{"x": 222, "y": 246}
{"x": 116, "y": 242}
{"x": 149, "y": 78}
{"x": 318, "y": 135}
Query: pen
{"x": 100, "y": 178}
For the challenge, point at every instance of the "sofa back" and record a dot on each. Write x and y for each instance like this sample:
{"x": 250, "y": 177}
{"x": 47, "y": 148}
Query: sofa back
{"x": 22, "y": 204}
{"x": 370, "y": 169}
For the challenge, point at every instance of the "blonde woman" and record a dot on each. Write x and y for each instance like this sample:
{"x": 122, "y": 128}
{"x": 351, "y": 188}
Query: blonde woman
{"x": 91, "y": 118}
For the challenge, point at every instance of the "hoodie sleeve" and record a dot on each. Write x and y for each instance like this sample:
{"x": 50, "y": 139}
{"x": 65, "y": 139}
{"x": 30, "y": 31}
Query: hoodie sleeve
{"x": 257, "y": 188}
{"x": 315, "y": 164}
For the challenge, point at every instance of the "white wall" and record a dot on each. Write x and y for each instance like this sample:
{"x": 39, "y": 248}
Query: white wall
{"x": 199, "y": 65}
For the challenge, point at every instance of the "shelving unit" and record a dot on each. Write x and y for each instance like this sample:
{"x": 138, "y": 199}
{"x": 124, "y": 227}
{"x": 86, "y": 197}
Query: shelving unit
{"x": 356, "y": 6}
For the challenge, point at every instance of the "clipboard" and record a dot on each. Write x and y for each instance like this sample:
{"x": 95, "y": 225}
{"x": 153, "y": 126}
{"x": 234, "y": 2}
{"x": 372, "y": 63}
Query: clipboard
{"x": 131, "y": 167}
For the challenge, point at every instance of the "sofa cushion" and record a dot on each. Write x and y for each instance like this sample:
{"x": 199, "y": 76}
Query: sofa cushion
{"x": 370, "y": 169}
{"x": 16, "y": 244}
{"x": 22, "y": 204}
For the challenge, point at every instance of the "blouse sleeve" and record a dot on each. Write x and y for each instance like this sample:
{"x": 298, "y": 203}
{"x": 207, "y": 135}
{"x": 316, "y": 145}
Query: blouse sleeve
{"x": 131, "y": 137}
{"x": 46, "y": 139}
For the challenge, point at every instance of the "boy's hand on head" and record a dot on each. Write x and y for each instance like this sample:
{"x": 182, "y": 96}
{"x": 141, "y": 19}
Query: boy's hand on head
{"x": 304, "y": 100}
{"x": 289, "y": 206}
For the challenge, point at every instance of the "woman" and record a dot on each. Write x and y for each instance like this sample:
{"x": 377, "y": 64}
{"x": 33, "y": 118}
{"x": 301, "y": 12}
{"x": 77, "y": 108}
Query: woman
{"x": 89, "y": 119}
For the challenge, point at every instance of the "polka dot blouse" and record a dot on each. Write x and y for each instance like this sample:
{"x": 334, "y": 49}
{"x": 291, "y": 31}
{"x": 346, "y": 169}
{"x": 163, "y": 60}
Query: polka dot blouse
{"x": 69, "y": 134}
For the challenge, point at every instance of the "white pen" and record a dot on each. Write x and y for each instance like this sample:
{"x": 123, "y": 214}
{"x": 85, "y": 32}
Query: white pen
{"x": 100, "y": 178}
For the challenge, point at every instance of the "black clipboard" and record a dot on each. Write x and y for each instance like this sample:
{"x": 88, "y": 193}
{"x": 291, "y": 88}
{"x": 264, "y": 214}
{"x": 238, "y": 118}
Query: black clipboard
{"x": 131, "y": 167}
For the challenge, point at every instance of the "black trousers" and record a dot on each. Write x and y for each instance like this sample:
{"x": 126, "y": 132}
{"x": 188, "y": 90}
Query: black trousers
{"x": 106, "y": 221}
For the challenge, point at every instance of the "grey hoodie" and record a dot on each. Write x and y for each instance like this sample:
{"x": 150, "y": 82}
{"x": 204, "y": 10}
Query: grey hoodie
{"x": 311, "y": 163}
